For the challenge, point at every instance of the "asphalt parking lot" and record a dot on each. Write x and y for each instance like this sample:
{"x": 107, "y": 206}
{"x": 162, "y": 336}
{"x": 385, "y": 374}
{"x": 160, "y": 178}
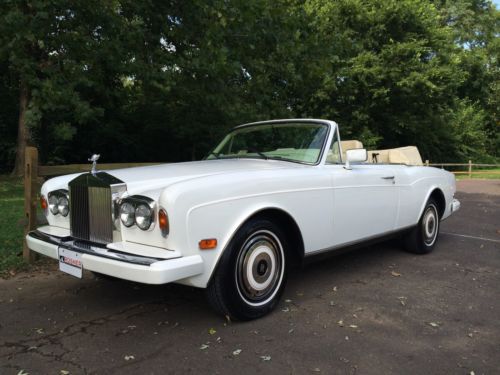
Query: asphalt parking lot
{"x": 376, "y": 310}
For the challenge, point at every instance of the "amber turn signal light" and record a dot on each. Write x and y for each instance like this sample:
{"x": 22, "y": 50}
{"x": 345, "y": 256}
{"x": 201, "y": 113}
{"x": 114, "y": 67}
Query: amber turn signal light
{"x": 163, "y": 222}
{"x": 207, "y": 244}
{"x": 43, "y": 203}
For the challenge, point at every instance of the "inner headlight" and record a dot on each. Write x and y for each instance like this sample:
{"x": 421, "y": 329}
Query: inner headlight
{"x": 54, "y": 205}
{"x": 63, "y": 206}
{"x": 127, "y": 214}
{"x": 138, "y": 210}
{"x": 143, "y": 216}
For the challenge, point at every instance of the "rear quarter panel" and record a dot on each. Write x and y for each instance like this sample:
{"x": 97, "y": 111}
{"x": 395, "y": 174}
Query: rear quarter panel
{"x": 416, "y": 185}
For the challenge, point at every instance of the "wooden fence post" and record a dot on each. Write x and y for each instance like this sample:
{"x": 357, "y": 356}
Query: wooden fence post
{"x": 30, "y": 197}
{"x": 470, "y": 168}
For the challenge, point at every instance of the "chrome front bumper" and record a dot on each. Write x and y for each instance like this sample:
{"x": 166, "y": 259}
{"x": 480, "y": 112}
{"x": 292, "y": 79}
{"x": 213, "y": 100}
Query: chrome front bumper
{"x": 99, "y": 258}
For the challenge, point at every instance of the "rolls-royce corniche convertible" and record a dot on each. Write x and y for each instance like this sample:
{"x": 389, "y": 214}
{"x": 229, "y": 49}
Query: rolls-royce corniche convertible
{"x": 269, "y": 195}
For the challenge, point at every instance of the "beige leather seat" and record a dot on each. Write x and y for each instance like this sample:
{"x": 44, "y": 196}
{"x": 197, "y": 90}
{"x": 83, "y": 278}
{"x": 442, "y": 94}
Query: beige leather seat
{"x": 408, "y": 155}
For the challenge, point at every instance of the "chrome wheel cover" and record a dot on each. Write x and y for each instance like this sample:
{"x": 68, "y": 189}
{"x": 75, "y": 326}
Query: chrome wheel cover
{"x": 260, "y": 268}
{"x": 430, "y": 225}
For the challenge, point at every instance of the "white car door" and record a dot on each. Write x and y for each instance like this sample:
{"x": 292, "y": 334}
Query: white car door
{"x": 366, "y": 200}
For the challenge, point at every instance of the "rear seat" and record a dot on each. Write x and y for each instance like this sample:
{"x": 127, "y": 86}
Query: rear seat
{"x": 408, "y": 155}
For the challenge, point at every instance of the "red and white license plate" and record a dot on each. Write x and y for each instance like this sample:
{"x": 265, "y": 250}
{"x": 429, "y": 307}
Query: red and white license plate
{"x": 70, "y": 262}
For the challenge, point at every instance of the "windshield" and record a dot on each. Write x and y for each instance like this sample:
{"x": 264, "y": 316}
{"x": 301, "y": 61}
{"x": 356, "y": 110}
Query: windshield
{"x": 293, "y": 141}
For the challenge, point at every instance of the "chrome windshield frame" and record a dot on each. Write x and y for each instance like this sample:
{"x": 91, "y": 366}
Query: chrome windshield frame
{"x": 331, "y": 126}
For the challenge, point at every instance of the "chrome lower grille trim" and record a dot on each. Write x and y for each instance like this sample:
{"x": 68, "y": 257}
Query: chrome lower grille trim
{"x": 91, "y": 207}
{"x": 96, "y": 249}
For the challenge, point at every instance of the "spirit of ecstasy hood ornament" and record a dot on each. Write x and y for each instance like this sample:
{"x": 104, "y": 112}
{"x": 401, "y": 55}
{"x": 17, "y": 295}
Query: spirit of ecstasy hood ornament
{"x": 94, "y": 159}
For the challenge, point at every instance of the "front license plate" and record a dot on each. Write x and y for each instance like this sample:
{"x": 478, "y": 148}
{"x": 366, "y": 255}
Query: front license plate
{"x": 70, "y": 262}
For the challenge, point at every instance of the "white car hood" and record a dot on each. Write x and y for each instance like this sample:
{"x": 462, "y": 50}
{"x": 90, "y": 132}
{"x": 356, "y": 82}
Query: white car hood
{"x": 163, "y": 175}
{"x": 141, "y": 179}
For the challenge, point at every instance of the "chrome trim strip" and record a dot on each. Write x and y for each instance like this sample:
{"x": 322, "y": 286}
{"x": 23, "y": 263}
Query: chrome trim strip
{"x": 87, "y": 247}
{"x": 359, "y": 242}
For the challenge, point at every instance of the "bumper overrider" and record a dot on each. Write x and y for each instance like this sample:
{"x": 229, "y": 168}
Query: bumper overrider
{"x": 100, "y": 258}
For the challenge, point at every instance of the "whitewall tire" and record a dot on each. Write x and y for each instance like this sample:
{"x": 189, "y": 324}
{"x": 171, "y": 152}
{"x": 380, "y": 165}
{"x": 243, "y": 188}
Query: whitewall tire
{"x": 251, "y": 275}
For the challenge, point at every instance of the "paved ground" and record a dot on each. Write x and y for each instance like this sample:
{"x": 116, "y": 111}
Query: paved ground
{"x": 373, "y": 311}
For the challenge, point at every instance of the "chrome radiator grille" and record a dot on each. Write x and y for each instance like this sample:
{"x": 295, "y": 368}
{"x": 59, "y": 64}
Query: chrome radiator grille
{"x": 91, "y": 207}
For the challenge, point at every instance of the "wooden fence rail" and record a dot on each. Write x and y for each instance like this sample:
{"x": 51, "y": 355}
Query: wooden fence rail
{"x": 34, "y": 173}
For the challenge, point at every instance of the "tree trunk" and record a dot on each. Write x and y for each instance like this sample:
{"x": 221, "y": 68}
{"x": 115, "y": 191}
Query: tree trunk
{"x": 23, "y": 134}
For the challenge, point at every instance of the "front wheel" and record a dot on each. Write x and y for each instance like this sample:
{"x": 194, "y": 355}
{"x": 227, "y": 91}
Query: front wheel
{"x": 423, "y": 238}
{"x": 251, "y": 274}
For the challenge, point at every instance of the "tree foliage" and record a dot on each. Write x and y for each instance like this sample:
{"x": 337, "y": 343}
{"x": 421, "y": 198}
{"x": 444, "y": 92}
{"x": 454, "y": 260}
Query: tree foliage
{"x": 162, "y": 81}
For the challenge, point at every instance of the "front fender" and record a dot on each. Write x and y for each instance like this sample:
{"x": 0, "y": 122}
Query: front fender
{"x": 220, "y": 220}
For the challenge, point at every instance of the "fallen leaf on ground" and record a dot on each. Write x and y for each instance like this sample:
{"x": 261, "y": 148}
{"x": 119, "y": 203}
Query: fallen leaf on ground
{"x": 265, "y": 357}
{"x": 22, "y": 372}
{"x": 290, "y": 330}
{"x": 288, "y": 300}
{"x": 340, "y": 323}
{"x": 353, "y": 326}
{"x": 335, "y": 289}
{"x": 64, "y": 372}
{"x": 129, "y": 357}
{"x": 237, "y": 352}
{"x": 212, "y": 331}
{"x": 395, "y": 274}
{"x": 203, "y": 346}
{"x": 433, "y": 324}
{"x": 286, "y": 309}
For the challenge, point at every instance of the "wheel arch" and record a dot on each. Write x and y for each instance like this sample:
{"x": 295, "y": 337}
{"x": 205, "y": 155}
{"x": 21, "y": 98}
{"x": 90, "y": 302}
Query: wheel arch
{"x": 437, "y": 194}
{"x": 289, "y": 226}
{"x": 284, "y": 219}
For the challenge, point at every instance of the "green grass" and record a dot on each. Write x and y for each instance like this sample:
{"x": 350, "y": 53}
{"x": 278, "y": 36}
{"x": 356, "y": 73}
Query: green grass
{"x": 11, "y": 225}
{"x": 482, "y": 175}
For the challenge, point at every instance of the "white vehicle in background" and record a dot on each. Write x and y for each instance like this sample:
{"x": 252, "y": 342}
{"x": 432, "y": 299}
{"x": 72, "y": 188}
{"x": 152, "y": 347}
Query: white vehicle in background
{"x": 269, "y": 194}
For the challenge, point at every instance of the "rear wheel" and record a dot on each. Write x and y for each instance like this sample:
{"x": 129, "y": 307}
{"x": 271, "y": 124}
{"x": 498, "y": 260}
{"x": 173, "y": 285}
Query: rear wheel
{"x": 423, "y": 238}
{"x": 251, "y": 274}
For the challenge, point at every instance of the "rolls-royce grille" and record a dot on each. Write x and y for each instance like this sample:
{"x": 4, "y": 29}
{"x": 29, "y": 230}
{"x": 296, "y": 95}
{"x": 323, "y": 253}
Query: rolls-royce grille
{"x": 91, "y": 207}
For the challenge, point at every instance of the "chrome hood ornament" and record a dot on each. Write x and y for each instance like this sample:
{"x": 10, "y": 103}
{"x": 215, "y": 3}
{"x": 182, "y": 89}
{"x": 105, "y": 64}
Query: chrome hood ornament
{"x": 94, "y": 159}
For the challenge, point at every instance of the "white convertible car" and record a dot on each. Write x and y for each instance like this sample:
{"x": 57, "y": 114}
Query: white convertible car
{"x": 270, "y": 194}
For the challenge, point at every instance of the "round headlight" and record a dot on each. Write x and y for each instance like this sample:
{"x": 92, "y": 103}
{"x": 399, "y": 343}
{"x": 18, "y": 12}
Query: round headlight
{"x": 127, "y": 214}
{"x": 54, "y": 205}
{"x": 63, "y": 206}
{"x": 143, "y": 216}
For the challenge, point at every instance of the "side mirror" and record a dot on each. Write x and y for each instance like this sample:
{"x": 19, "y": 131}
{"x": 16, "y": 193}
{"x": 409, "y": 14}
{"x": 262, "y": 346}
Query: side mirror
{"x": 353, "y": 156}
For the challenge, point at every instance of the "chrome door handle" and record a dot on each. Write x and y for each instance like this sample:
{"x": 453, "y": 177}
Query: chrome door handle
{"x": 388, "y": 178}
